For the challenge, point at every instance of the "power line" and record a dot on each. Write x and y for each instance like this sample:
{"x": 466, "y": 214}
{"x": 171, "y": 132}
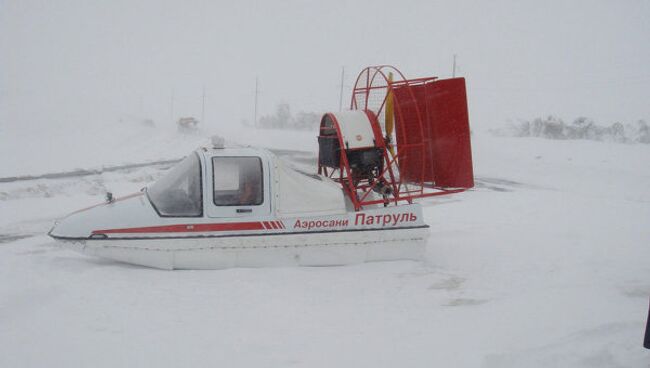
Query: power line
{"x": 453, "y": 73}
{"x": 255, "y": 109}
{"x": 341, "y": 93}
{"x": 203, "y": 106}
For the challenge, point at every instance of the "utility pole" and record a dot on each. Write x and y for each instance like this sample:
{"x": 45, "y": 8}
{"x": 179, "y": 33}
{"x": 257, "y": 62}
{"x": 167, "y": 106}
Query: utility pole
{"x": 453, "y": 73}
{"x": 256, "y": 93}
{"x": 171, "y": 106}
{"x": 203, "y": 107}
{"x": 341, "y": 93}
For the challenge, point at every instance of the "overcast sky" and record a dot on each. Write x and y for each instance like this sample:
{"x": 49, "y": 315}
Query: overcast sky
{"x": 73, "y": 62}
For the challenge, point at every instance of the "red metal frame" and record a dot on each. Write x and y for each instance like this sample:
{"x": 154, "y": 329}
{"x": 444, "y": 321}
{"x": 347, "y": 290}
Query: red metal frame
{"x": 371, "y": 82}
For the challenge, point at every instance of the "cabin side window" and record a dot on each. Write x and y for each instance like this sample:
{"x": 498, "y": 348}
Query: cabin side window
{"x": 237, "y": 181}
{"x": 179, "y": 192}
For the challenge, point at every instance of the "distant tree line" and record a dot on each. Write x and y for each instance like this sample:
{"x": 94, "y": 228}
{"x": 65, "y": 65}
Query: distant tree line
{"x": 553, "y": 127}
{"x": 284, "y": 119}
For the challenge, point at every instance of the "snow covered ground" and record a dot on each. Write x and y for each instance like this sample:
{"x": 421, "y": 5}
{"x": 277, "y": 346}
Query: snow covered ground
{"x": 26, "y": 150}
{"x": 545, "y": 263}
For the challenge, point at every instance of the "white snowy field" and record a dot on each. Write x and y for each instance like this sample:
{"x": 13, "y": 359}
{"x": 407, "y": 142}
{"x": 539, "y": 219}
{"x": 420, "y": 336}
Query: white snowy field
{"x": 546, "y": 263}
{"x": 27, "y": 150}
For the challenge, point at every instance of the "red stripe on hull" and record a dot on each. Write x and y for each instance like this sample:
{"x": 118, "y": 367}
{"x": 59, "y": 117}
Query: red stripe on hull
{"x": 188, "y": 228}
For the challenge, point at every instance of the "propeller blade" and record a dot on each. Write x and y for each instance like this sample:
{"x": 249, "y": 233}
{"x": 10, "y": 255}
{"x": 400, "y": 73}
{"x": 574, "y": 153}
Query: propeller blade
{"x": 389, "y": 117}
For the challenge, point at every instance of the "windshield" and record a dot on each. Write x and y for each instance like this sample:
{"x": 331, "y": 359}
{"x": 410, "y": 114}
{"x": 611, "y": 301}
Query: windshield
{"x": 178, "y": 193}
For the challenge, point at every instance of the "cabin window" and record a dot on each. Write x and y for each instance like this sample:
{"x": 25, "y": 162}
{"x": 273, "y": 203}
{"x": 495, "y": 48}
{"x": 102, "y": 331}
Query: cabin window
{"x": 237, "y": 181}
{"x": 179, "y": 193}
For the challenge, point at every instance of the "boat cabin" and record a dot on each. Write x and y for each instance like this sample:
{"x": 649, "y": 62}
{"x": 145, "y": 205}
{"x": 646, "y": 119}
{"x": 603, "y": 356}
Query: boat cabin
{"x": 235, "y": 182}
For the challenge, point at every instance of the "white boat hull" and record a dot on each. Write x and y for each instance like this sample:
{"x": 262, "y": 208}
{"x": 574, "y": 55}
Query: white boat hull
{"x": 326, "y": 248}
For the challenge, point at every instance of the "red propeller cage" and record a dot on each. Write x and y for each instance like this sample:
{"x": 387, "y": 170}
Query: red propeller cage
{"x": 429, "y": 151}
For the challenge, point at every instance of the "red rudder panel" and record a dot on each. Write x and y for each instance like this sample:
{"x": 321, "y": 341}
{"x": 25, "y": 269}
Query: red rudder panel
{"x": 448, "y": 120}
{"x": 439, "y": 150}
{"x": 412, "y": 136}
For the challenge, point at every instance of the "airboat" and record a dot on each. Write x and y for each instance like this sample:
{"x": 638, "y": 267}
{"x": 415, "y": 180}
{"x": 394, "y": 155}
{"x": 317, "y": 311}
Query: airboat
{"x": 231, "y": 206}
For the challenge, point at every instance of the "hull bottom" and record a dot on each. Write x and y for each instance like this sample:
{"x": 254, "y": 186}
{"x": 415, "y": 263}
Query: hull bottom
{"x": 295, "y": 249}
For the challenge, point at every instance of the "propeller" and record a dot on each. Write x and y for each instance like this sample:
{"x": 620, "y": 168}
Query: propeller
{"x": 389, "y": 117}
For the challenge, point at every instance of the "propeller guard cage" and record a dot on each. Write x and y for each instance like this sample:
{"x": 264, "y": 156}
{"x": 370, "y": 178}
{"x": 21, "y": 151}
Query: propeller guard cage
{"x": 403, "y": 139}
